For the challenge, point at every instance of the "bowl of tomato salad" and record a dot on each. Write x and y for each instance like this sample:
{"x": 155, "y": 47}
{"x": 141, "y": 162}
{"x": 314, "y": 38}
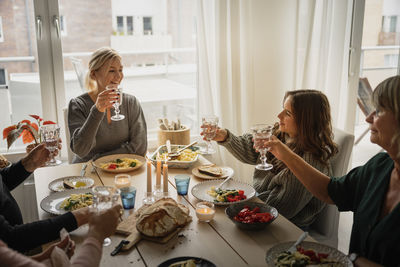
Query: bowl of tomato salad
{"x": 251, "y": 215}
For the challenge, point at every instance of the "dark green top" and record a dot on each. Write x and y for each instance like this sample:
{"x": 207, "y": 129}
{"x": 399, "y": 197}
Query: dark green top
{"x": 363, "y": 191}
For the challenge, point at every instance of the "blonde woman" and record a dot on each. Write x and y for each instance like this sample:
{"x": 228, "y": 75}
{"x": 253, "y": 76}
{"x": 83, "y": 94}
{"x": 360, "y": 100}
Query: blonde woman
{"x": 92, "y": 133}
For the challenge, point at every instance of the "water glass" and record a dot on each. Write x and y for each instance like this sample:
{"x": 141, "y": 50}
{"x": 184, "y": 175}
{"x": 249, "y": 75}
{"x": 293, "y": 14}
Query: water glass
{"x": 50, "y": 134}
{"x": 128, "y": 195}
{"x": 182, "y": 183}
{"x": 261, "y": 134}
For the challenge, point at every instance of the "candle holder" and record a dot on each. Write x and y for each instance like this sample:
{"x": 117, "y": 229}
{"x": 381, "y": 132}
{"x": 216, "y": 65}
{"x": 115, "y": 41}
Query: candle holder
{"x": 157, "y": 191}
{"x": 122, "y": 180}
{"x": 205, "y": 211}
{"x": 161, "y": 195}
{"x": 148, "y": 198}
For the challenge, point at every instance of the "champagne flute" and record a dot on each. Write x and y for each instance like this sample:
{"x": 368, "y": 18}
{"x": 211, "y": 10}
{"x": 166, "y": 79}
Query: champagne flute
{"x": 117, "y": 104}
{"x": 105, "y": 197}
{"x": 261, "y": 134}
{"x": 50, "y": 135}
{"x": 209, "y": 125}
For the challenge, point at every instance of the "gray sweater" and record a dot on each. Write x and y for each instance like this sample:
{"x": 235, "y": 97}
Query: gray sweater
{"x": 92, "y": 137}
{"x": 281, "y": 190}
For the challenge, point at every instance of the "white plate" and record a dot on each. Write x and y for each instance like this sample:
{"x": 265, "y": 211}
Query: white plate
{"x": 57, "y": 185}
{"x": 97, "y": 163}
{"x": 200, "y": 190}
{"x": 52, "y": 203}
{"x": 226, "y": 171}
{"x": 334, "y": 254}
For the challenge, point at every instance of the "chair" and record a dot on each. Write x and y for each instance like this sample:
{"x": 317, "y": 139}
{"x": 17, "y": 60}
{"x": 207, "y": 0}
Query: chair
{"x": 364, "y": 94}
{"x": 325, "y": 227}
{"x": 68, "y": 136}
{"x": 80, "y": 71}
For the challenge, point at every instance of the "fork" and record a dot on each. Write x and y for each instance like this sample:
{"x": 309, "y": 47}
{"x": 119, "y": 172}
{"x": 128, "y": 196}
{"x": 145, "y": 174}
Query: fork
{"x": 226, "y": 180}
{"x": 293, "y": 248}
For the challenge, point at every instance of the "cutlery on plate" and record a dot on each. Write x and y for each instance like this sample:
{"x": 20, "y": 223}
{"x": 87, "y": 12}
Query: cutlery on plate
{"x": 179, "y": 151}
{"x": 226, "y": 180}
{"x": 293, "y": 248}
{"x": 168, "y": 144}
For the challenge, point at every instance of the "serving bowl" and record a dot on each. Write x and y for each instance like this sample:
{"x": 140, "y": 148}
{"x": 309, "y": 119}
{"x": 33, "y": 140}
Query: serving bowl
{"x": 179, "y": 164}
{"x": 232, "y": 210}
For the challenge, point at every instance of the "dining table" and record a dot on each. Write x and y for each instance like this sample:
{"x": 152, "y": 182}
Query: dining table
{"x": 219, "y": 241}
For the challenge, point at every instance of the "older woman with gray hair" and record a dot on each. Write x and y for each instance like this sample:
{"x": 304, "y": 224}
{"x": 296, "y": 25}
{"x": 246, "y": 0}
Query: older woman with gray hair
{"x": 92, "y": 133}
{"x": 371, "y": 191}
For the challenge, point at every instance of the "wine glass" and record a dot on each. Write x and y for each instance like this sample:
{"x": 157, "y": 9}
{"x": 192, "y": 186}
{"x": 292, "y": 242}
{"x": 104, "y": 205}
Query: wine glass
{"x": 117, "y": 104}
{"x": 209, "y": 125}
{"x": 50, "y": 135}
{"x": 105, "y": 197}
{"x": 261, "y": 134}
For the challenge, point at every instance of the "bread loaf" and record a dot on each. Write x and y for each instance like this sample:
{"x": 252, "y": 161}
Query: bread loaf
{"x": 162, "y": 217}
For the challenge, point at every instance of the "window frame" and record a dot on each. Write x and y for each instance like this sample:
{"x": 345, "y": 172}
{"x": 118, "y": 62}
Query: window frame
{"x": 1, "y": 30}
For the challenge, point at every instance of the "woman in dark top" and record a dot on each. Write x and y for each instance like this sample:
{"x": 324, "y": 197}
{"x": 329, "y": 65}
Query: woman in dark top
{"x": 371, "y": 191}
{"x": 24, "y": 237}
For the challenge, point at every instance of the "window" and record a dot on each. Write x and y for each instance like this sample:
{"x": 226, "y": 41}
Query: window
{"x": 1, "y": 31}
{"x": 129, "y": 25}
{"x": 3, "y": 78}
{"x": 120, "y": 25}
{"x": 391, "y": 60}
{"x": 63, "y": 25}
{"x": 147, "y": 26}
{"x": 389, "y": 23}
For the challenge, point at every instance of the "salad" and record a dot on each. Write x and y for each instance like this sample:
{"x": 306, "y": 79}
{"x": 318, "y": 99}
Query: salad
{"x": 226, "y": 195}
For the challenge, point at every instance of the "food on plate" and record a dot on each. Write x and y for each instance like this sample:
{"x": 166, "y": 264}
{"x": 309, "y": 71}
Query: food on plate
{"x": 186, "y": 155}
{"x": 226, "y": 195}
{"x": 188, "y": 263}
{"x": 162, "y": 217}
{"x": 305, "y": 257}
{"x": 246, "y": 215}
{"x": 120, "y": 164}
{"x": 70, "y": 184}
{"x": 211, "y": 170}
{"x": 77, "y": 201}
{"x": 3, "y": 162}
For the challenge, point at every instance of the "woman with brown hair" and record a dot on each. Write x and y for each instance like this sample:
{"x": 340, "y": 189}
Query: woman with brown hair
{"x": 92, "y": 133}
{"x": 305, "y": 126}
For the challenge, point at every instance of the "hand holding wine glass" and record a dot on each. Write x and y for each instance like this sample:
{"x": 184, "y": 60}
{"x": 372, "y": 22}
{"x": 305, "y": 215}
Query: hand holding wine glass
{"x": 117, "y": 103}
{"x": 261, "y": 134}
{"x": 50, "y": 136}
{"x": 209, "y": 127}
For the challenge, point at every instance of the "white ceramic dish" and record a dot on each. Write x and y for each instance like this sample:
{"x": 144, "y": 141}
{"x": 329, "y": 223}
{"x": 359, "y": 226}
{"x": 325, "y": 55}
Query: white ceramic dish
{"x": 51, "y": 204}
{"x": 57, "y": 185}
{"x": 174, "y": 163}
{"x": 98, "y": 162}
{"x": 200, "y": 190}
{"x": 334, "y": 254}
{"x": 226, "y": 171}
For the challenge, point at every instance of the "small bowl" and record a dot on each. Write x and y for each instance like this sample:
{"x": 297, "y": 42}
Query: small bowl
{"x": 232, "y": 210}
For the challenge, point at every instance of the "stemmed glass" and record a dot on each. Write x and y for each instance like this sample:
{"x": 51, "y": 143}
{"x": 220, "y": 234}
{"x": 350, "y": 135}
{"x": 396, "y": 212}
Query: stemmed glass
{"x": 105, "y": 197}
{"x": 209, "y": 125}
{"x": 261, "y": 134}
{"x": 50, "y": 135}
{"x": 117, "y": 104}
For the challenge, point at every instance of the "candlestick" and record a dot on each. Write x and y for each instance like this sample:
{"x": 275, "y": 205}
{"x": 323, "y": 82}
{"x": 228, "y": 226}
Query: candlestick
{"x": 165, "y": 177}
{"x": 158, "y": 174}
{"x": 148, "y": 176}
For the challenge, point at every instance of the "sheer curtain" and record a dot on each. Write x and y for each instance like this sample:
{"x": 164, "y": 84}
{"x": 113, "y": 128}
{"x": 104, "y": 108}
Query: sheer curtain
{"x": 251, "y": 52}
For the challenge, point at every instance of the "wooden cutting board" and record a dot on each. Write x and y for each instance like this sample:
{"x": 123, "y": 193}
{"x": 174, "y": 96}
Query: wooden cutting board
{"x": 128, "y": 227}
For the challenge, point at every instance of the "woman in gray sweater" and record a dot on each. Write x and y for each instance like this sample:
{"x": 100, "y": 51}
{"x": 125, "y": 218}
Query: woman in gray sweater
{"x": 305, "y": 126}
{"x": 92, "y": 132}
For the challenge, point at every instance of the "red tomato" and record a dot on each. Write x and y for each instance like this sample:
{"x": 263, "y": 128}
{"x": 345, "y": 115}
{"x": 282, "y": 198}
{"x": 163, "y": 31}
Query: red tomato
{"x": 112, "y": 166}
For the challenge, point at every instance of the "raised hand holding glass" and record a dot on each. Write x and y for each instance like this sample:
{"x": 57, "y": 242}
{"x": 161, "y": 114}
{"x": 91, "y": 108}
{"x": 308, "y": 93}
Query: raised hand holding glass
{"x": 118, "y": 102}
{"x": 50, "y": 135}
{"x": 261, "y": 134}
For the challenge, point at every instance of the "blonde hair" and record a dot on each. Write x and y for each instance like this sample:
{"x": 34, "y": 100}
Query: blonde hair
{"x": 387, "y": 96}
{"x": 99, "y": 58}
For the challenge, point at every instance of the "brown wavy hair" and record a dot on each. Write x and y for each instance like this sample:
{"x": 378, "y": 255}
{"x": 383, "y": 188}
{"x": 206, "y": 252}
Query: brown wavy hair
{"x": 387, "y": 96}
{"x": 312, "y": 115}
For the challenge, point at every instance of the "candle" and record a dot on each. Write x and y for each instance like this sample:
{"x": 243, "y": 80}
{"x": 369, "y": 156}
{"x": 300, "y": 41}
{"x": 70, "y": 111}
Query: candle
{"x": 205, "y": 211}
{"x": 148, "y": 176}
{"x": 158, "y": 174}
{"x": 165, "y": 177}
{"x": 122, "y": 180}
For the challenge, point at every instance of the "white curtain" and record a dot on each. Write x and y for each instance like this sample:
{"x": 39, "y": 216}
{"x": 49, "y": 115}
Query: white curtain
{"x": 251, "y": 52}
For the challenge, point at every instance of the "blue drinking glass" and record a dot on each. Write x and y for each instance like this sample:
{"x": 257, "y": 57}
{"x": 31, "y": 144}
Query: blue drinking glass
{"x": 128, "y": 195}
{"x": 182, "y": 183}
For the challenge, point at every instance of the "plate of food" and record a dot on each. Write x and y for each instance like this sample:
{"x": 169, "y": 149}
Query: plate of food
{"x": 308, "y": 253}
{"x": 119, "y": 163}
{"x": 232, "y": 192}
{"x": 183, "y": 161}
{"x": 71, "y": 182}
{"x": 61, "y": 202}
{"x": 187, "y": 261}
{"x": 212, "y": 172}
